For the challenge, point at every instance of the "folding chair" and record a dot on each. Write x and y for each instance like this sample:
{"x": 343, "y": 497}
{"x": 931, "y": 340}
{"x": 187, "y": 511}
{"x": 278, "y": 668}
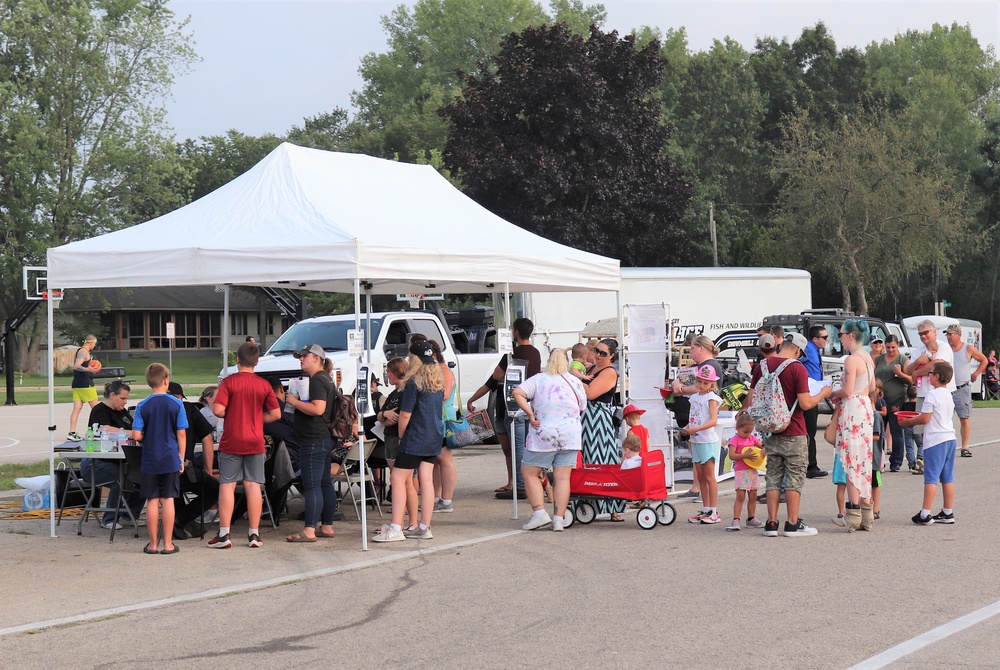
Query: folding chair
{"x": 129, "y": 484}
{"x": 266, "y": 509}
{"x": 363, "y": 475}
{"x": 991, "y": 392}
{"x": 86, "y": 487}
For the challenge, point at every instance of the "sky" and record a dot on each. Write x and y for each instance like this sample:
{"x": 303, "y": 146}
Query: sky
{"x": 267, "y": 65}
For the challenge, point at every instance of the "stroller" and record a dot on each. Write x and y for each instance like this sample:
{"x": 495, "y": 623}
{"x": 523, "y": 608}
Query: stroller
{"x": 644, "y": 484}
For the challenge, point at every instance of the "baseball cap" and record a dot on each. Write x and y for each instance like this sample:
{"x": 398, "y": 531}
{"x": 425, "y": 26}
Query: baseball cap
{"x": 797, "y": 339}
{"x": 708, "y": 373}
{"x": 632, "y": 409}
{"x": 423, "y": 350}
{"x": 311, "y": 349}
{"x": 175, "y": 389}
{"x": 876, "y": 339}
{"x": 766, "y": 341}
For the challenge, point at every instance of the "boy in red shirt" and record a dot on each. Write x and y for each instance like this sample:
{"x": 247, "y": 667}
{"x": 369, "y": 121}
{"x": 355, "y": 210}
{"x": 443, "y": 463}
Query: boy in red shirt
{"x": 246, "y": 402}
{"x": 631, "y": 414}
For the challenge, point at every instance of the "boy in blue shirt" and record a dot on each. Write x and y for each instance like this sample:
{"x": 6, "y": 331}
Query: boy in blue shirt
{"x": 161, "y": 425}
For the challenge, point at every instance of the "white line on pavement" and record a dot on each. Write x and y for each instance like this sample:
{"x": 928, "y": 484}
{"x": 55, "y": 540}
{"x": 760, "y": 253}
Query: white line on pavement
{"x": 930, "y": 637}
{"x": 250, "y": 586}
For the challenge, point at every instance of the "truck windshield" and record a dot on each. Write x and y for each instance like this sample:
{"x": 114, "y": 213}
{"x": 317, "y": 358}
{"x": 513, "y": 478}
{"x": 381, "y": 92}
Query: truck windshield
{"x": 331, "y": 335}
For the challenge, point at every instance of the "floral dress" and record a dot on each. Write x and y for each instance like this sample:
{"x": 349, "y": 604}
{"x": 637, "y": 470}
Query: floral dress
{"x": 854, "y": 434}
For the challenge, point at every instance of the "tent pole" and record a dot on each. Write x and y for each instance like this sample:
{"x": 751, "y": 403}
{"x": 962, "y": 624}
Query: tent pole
{"x": 52, "y": 410}
{"x": 621, "y": 344}
{"x": 513, "y": 431}
{"x": 361, "y": 430}
{"x": 225, "y": 329}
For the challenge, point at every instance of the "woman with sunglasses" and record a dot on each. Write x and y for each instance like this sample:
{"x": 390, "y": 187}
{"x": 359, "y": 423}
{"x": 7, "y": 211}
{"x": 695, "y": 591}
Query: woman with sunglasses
{"x": 889, "y": 369}
{"x": 600, "y": 439}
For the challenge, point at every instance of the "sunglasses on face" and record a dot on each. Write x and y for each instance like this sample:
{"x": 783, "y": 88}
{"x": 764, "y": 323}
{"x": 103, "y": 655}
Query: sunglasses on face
{"x": 924, "y": 333}
{"x": 822, "y": 337}
{"x": 601, "y": 353}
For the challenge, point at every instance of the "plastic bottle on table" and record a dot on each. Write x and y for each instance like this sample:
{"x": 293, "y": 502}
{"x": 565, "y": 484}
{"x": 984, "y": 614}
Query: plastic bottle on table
{"x": 105, "y": 439}
{"x": 121, "y": 438}
{"x": 89, "y": 444}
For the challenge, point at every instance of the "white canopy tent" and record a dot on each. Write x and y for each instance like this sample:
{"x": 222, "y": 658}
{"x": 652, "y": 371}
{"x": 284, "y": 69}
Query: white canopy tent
{"x": 318, "y": 220}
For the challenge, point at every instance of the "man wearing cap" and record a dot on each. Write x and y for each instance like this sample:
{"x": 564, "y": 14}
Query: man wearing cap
{"x": 964, "y": 378}
{"x": 246, "y": 402}
{"x": 198, "y": 477}
{"x": 813, "y": 360}
{"x": 82, "y": 385}
{"x": 921, "y": 361}
{"x": 788, "y": 451}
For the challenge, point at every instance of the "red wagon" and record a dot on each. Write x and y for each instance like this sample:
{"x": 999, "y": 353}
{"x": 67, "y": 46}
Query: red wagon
{"x": 645, "y": 484}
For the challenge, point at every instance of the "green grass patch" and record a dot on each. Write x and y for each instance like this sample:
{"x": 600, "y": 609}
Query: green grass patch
{"x": 194, "y": 373}
{"x": 10, "y": 471}
{"x": 986, "y": 403}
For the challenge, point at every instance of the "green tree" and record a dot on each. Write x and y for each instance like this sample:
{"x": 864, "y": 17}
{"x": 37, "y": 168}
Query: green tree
{"x": 329, "y": 131}
{"x": 562, "y": 136}
{"x": 860, "y": 207}
{"x": 83, "y": 144}
{"x": 428, "y": 44}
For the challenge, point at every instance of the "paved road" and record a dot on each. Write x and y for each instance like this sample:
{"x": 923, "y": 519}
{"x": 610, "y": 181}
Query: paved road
{"x": 483, "y": 594}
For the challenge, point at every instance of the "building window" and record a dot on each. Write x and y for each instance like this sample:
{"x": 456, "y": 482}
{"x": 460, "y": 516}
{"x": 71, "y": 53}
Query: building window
{"x": 209, "y": 331}
{"x": 237, "y": 324}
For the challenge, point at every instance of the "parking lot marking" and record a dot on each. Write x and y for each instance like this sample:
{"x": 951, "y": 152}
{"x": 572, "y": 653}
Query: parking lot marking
{"x": 249, "y": 586}
{"x": 930, "y": 637}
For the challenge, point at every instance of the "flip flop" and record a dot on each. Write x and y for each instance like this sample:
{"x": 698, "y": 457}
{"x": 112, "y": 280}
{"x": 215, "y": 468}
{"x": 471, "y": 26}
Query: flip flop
{"x": 147, "y": 550}
{"x": 502, "y": 489}
{"x": 617, "y": 518}
{"x": 299, "y": 537}
{"x": 175, "y": 550}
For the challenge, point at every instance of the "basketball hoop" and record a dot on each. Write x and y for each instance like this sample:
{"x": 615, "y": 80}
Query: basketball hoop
{"x": 56, "y": 295}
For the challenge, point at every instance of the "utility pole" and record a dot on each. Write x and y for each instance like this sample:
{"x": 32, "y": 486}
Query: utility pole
{"x": 715, "y": 240}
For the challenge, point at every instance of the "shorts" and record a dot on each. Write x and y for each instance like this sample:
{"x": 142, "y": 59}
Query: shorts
{"x": 411, "y": 462}
{"x": 963, "y": 401}
{"x": 939, "y": 463}
{"x": 746, "y": 480}
{"x": 500, "y": 425}
{"x": 564, "y": 458}
{"x": 88, "y": 394}
{"x": 787, "y": 459}
{"x": 241, "y": 467}
{"x": 703, "y": 452}
{"x": 340, "y": 451}
{"x": 876, "y": 479}
{"x": 167, "y": 485}
{"x": 839, "y": 476}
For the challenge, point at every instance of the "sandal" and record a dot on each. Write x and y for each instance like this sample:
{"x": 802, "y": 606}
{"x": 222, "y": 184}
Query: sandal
{"x": 617, "y": 518}
{"x": 328, "y": 536}
{"x": 147, "y": 550}
{"x": 966, "y": 453}
{"x": 502, "y": 489}
{"x": 299, "y": 537}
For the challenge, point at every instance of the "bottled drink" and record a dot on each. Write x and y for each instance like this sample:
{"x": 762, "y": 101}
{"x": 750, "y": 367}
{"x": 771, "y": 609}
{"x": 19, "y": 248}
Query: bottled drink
{"x": 105, "y": 439}
{"x": 121, "y": 437}
{"x": 89, "y": 444}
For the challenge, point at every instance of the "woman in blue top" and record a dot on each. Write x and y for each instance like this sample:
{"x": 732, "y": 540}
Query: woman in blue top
{"x": 445, "y": 473}
{"x": 421, "y": 432}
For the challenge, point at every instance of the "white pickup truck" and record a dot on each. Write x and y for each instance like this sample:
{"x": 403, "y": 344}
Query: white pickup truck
{"x": 391, "y": 332}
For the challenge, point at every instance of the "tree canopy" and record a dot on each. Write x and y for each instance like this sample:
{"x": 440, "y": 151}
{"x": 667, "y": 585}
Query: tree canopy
{"x": 562, "y": 136}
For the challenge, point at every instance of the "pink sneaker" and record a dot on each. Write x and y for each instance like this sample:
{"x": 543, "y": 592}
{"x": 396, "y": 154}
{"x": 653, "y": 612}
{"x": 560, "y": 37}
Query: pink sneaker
{"x": 754, "y": 522}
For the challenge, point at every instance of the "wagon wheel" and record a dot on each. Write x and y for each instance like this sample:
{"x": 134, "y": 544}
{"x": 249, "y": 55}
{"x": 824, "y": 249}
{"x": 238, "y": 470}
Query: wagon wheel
{"x": 665, "y": 513}
{"x": 585, "y": 512}
{"x": 646, "y": 518}
{"x": 568, "y": 517}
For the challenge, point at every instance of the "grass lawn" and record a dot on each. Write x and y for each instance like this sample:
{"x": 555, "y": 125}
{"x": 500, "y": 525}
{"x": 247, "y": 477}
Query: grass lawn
{"x": 10, "y": 471}
{"x": 194, "y": 373}
{"x": 986, "y": 403}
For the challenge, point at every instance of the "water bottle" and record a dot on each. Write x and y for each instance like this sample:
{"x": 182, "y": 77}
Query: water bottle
{"x": 121, "y": 438}
{"x": 89, "y": 444}
{"x": 105, "y": 440}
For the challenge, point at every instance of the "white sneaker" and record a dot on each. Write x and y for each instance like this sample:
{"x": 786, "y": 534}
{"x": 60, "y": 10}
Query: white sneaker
{"x": 799, "y": 530}
{"x": 107, "y": 525}
{"x": 211, "y": 516}
{"x": 557, "y": 524}
{"x": 537, "y": 521}
{"x": 387, "y": 534}
{"x": 735, "y": 525}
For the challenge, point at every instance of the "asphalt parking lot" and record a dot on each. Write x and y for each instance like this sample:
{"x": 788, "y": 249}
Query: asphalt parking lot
{"x": 484, "y": 594}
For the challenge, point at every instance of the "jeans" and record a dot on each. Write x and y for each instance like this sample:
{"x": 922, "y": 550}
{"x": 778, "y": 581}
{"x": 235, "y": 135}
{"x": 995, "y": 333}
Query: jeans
{"x": 910, "y": 439}
{"x": 317, "y": 486}
{"x": 898, "y": 443}
{"x": 518, "y": 436}
{"x": 811, "y": 416}
{"x": 107, "y": 471}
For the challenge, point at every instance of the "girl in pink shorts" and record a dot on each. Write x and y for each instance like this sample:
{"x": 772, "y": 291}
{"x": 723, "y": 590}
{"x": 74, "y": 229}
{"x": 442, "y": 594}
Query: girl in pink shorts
{"x": 746, "y": 478}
